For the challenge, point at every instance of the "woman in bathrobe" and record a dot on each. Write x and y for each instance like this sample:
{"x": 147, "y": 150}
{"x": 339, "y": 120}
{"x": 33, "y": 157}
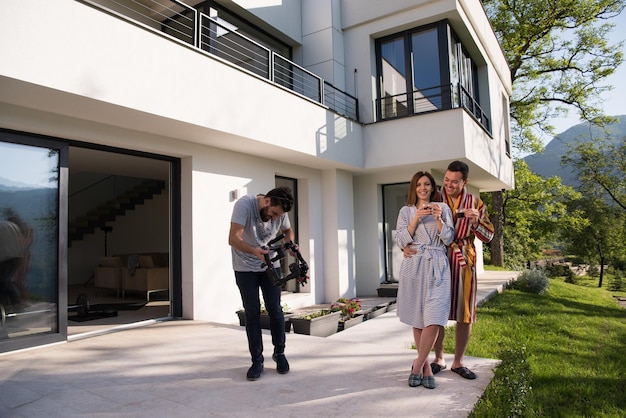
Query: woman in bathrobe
{"x": 424, "y": 289}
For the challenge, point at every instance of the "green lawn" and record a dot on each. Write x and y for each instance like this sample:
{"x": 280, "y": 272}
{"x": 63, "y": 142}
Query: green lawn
{"x": 566, "y": 352}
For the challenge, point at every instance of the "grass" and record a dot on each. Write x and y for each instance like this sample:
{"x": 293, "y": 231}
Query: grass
{"x": 495, "y": 268}
{"x": 569, "y": 344}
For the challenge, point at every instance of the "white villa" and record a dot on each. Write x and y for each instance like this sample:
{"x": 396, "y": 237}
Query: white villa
{"x": 191, "y": 104}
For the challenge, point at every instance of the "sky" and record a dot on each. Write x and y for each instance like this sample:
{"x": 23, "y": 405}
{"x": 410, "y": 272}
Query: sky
{"x": 615, "y": 100}
{"x": 21, "y": 165}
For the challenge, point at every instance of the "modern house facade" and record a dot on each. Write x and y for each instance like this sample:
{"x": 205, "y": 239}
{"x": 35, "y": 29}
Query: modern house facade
{"x": 341, "y": 100}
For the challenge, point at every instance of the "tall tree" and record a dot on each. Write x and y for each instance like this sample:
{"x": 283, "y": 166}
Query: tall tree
{"x": 532, "y": 214}
{"x": 559, "y": 59}
{"x": 600, "y": 165}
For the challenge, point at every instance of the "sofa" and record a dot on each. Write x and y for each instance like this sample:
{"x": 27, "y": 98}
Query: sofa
{"x": 144, "y": 273}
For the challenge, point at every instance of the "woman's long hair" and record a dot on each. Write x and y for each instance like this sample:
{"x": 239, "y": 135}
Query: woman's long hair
{"x": 435, "y": 196}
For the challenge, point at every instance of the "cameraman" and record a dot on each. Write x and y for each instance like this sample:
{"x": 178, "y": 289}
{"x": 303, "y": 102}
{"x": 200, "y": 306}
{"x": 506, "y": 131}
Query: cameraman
{"x": 255, "y": 221}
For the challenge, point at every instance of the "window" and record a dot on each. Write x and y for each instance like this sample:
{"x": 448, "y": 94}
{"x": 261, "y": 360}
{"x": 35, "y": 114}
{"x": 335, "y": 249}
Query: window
{"x": 291, "y": 285}
{"x": 394, "y": 197}
{"x": 426, "y": 69}
{"x": 507, "y": 126}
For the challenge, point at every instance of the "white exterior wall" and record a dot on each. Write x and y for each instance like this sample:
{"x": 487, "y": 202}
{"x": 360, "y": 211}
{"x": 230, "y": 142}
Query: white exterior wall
{"x": 322, "y": 40}
{"x": 338, "y": 229}
{"x": 215, "y": 173}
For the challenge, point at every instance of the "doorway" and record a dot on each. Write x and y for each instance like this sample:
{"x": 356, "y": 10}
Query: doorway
{"x": 66, "y": 210}
{"x": 120, "y": 238}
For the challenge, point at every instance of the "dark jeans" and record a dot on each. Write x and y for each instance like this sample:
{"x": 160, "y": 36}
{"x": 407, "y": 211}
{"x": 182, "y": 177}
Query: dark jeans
{"x": 249, "y": 283}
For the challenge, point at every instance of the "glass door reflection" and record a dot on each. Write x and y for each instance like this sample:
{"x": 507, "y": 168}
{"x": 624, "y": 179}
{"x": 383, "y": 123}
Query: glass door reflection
{"x": 29, "y": 227}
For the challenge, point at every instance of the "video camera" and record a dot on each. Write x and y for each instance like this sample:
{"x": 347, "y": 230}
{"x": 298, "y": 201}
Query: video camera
{"x": 298, "y": 270}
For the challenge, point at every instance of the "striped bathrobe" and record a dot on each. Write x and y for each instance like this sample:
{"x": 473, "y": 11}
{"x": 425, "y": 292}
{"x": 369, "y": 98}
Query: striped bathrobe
{"x": 462, "y": 255}
{"x": 424, "y": 290}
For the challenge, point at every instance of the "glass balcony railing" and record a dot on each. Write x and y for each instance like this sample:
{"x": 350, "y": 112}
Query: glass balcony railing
{"x": 217, "y": 38}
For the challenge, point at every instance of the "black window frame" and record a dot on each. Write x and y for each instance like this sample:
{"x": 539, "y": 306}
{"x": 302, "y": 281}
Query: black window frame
{"x": 454, "y": 93}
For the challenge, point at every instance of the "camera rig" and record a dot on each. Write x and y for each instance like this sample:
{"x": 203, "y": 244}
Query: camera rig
{"x": 298, "y": 270}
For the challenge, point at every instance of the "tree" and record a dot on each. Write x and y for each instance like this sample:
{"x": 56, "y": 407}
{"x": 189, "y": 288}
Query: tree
{"x": 601, "y": 168}
{"x": 559, "y": 57}
{"x": 532, "y": 214}
{"x": 599, "y": 236}
{"x": 600, "y": 165}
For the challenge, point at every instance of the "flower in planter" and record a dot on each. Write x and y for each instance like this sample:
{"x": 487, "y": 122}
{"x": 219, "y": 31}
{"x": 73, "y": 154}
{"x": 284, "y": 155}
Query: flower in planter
{"x": 348, "y": 307}
{"x": 316, "y": 314}
{"x": 264, "y": 310}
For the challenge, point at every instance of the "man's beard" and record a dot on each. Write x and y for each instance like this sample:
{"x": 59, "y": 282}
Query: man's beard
{"x": 264, "y": 216}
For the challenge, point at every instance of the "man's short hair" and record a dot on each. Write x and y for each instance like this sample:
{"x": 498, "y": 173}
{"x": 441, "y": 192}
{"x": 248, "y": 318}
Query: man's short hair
{"x": 281, "y": 196}
{"x": 461, "y": 167}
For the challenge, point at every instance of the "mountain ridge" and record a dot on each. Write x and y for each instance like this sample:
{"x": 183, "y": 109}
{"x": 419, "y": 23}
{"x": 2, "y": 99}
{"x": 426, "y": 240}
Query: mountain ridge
{"x": 548, "y": 162}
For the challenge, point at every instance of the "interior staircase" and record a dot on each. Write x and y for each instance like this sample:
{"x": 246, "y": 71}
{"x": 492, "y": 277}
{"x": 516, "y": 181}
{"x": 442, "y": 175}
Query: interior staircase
{"x": 108, "y": 212}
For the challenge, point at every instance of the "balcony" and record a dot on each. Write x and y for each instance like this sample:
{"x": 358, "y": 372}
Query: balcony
{"x": 431, "y": 100}
{"x": 182, "y": 23}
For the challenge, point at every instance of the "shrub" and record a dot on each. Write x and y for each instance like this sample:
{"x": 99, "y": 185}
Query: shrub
{"x": 531, "y": 281}
{"x": 562, "y": 270}
{"x": 510, "y": 389}
{"x": 616, "y": 282}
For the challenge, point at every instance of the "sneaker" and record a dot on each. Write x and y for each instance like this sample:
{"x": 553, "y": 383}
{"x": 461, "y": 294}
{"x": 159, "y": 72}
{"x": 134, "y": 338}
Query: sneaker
{"x": 282, "y": 365}
{"x": 254, "y": 372}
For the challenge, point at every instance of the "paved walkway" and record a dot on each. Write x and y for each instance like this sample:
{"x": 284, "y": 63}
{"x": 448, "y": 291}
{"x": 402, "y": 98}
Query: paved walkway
{"x": 197, "y": 369}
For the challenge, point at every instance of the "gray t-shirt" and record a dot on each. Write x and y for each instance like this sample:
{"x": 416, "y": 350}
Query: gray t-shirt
{"x": 255, "y": 232}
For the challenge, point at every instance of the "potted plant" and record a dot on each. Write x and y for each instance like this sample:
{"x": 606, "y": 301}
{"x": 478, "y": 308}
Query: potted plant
{"x": 351, "y": 312}
{"x": 265, "y": 318}
{"x": 321, "y": 323}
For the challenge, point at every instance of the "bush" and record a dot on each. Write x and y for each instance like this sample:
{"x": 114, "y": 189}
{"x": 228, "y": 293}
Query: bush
{"x": 616, "y": 283}
{"x": 562, "y": 270}
{"x": 531, "y": 281}
{"x": 510, "y": 388}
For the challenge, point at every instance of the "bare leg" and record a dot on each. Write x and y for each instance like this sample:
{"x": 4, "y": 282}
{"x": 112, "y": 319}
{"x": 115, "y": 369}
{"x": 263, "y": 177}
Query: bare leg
{"x": 425, "y": 338}
{"x": 439, "y": 347}
{"x": 462, "y": 334}
{"x": 417, "y": 336}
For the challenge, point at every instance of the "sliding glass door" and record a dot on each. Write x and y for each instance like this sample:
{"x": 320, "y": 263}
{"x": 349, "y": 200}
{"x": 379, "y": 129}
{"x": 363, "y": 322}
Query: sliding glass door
{"x": 31, "y": 192}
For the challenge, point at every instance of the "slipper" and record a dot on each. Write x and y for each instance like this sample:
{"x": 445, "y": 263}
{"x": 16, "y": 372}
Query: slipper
{"x": 415, "y": 380}
{"x": 464, "y": 372}
{"x": 429, "y": 382}
{"x": 436, "y": 367}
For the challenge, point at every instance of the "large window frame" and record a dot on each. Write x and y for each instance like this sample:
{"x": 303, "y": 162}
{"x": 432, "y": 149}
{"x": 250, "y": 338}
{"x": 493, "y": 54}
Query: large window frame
{"x": 416, "y": 77}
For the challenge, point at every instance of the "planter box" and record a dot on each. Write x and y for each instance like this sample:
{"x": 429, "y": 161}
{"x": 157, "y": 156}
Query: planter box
{"x": 377, "y": 311}
{"x": 322, "y": 326}
{"x": 343, "y": 325}
{"x": 265, "y": 320}
{"x": 388, "y": 290}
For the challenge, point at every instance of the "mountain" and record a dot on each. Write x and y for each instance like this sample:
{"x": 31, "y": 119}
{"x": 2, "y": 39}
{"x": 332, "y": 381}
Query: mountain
{"x": 6, "y": 184}
{"x": 548, "y": 162}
